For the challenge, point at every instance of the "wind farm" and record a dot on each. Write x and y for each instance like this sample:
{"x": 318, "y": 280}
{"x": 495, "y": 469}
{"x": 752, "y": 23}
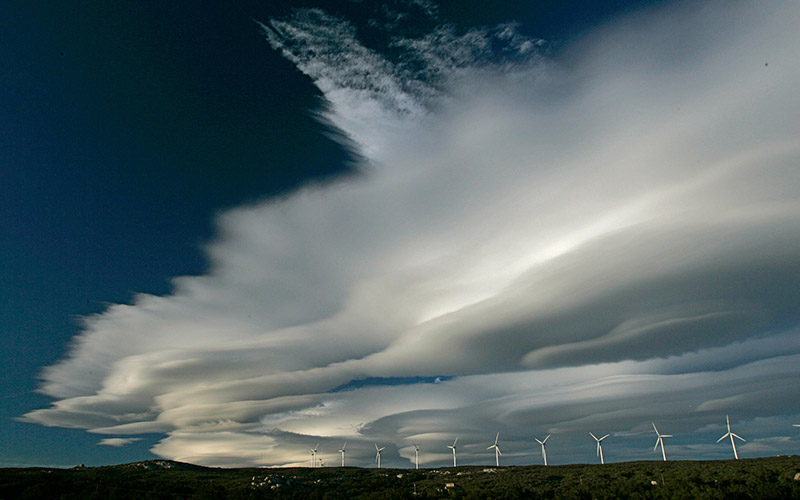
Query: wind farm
{"x": 476, "y": 476}
{"x": 523, "y": 453}
{"x": 762, "y": 478}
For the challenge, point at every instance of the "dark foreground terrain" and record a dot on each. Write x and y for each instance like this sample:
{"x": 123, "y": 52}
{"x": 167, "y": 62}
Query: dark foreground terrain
{"x": 764, "y": 478}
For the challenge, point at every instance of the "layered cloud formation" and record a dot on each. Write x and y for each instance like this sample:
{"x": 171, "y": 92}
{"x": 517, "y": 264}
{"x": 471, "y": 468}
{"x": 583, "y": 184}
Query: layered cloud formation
{"x": 532, "y": 246}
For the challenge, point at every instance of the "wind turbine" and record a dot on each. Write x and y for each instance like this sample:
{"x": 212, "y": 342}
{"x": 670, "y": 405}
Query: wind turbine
{"x": 378, "y": 454}
{"x": 544, "y": 451}
{"x": 313, "y": 452}
{"x": 497, "y": 452}
{"x": 454, "y": 450}
{"x": 732, "y": 435}
{"x": 660, "y": 440}
{"x": 599, "y": 446}
{"x": 416, "y": 454}
{"x": 342, "y": 451}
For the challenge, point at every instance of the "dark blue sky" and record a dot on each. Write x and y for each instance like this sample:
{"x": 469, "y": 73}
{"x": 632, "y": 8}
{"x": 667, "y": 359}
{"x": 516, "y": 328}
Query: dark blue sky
{"x": 126, "y": 126}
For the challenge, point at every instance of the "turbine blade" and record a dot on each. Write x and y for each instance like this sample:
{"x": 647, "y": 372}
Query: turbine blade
{"x": 723, "y": 437}
{"x": 602, "y": 438}
{"x": 344, "y": 446}
{"x": 654, "y": 427}
{"x": 496, "y": 438}
{"x": 376, "y": 446}
{"x": 738, "y": 436}
{"x": 540, "y": 442}
{"x": 498, "y": 450}
{"x": 595, "y": 437}
{"x": 454, "y": 442}
{"x": 656, "y": 446}
{"x": 666, "y": 436}
{"x": 545, "y": 439}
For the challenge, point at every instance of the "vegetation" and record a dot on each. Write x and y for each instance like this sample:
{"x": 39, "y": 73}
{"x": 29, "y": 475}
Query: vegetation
{"x": 763, "y": 479}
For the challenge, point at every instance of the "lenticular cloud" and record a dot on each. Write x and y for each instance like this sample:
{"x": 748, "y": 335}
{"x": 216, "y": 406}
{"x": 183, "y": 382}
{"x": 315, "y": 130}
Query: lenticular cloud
{"x": 581, "y": 241}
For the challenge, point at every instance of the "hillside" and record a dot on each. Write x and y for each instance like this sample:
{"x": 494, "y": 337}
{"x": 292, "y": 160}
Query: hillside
{"x": 764, "y": 478}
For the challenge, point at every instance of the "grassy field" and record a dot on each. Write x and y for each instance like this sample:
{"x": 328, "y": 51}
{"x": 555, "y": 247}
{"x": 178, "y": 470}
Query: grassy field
{"x": 763, "y": 478}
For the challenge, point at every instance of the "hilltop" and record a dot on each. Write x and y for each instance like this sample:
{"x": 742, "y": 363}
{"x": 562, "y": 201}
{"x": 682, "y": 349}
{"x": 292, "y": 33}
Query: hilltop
{"x": 763, "y": 478}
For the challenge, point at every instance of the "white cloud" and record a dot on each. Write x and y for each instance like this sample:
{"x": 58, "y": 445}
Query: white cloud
{"x": 586, "y": 245}
{"x": 117, "y": 442}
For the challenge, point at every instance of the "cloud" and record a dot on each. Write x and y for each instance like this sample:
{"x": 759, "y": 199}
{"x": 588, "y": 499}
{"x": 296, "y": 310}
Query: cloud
{"x": 117, "y": 442}
{"x": 586, "y": 244}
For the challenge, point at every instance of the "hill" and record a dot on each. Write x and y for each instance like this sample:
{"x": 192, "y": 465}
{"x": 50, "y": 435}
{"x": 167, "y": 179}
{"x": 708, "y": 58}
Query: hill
{"x": 763, "y": 478}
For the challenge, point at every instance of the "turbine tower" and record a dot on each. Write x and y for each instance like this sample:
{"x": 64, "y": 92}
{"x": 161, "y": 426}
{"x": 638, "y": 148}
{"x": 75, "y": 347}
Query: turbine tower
{"x": 660, "y": 440}
{"x": 453, "y": 447}
{"x": 544, "y": 451}
{"x": 599, "y": 446}
{"x": 732, "y": 435}
{"x": 342, "y": 451}
{"x": 313, "y": 452}
{"x": 416, "y": 455}
{"x": 497, "y": 452}
{"x": 378, "y": 454}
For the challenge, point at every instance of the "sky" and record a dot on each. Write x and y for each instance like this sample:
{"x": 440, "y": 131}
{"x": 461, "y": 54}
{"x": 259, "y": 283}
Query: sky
{"x": 232, "y": 233}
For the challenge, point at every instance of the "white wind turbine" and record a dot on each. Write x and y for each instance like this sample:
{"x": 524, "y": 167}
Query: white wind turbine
{"x": 416, "y": 455}
{"x": 544, "y": 450}
{"x": 342, "y": 451}
{"x": 660, "y": 440}
{"x": 599, "y": 446}
{"x": 313, "y": 452}
{"x": 453, "y": 447}
{"x": 378, "y": 454}
{"x": 497, "y": 452}
{"x": 732, "y": 435}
